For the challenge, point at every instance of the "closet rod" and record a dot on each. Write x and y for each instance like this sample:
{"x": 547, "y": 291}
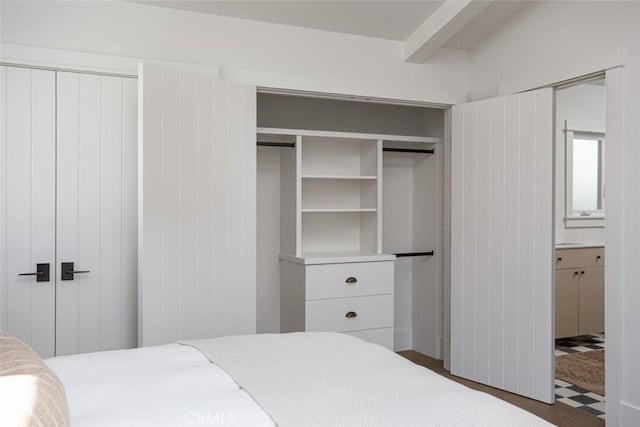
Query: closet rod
{"x": 409, "y": 150}
{"x": 408, "y": 254}
{"x": 276, "y": 144}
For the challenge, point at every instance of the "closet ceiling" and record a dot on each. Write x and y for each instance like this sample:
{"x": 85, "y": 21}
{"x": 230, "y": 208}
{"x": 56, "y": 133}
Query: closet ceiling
{"x": 392, "y": 20}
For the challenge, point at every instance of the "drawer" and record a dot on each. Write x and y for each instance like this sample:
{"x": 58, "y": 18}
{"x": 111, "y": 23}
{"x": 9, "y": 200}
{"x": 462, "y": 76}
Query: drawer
{"x": 370, "y": 312}
{"x": 349, "y": 279}
{"x": 383, "y": 337}
{"x": 582, "y": 257}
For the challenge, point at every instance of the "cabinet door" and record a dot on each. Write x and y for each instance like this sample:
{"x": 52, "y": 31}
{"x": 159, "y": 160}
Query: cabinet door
{"x": 27, "y": 204}
{"x": 567, "y": 290}
{"x": 592, "y": 301}
{"x": 96, "y": 213}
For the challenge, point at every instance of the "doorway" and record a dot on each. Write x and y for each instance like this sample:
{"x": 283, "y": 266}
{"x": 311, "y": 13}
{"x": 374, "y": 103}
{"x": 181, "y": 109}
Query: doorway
{"x": 580, "y": 206}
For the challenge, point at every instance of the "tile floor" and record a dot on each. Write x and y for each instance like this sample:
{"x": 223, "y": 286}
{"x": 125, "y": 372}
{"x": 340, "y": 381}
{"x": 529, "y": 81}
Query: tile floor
{"x": 570, "y": 394}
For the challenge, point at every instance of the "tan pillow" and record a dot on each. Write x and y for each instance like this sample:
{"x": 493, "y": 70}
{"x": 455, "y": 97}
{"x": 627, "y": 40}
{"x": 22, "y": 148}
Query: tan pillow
{"x": 30, "y": 393}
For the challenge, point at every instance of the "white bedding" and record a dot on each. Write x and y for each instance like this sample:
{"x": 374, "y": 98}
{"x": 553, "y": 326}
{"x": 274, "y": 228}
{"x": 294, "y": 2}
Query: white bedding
{"x": 169, "y": 385}
{"x": 328, "y": 379}
{"x": 176, "y": 385}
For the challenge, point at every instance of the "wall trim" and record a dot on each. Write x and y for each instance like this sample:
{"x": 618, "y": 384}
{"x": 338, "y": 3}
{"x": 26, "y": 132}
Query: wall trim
{"x": 592, "y": 126}
{"x": 629, "y": 414}
{"x": 364, "y": 89}
{"x": 89, "y": 63}
{"x": 615, "y": 245}
{"x": 402, "y": 339}
{"x": 268, "y": 82}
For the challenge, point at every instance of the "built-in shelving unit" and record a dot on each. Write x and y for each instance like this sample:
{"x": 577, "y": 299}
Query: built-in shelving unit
{"x": 360, "y": 234}
{"x": 331, "y": 190}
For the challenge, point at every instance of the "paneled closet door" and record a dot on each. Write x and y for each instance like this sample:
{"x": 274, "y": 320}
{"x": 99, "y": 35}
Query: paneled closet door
{"x": 198, "y": 221}
{"x": 96, "y": 213}
{"x": 27, "y": 210}
{"x": 502, "y": 243}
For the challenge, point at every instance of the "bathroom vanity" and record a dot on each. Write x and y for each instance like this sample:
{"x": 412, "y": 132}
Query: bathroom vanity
{"x": 579, "y": 290}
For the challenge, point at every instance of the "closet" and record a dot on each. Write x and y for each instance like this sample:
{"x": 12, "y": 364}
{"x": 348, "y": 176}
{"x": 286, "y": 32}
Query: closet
{"x": 68, "y": 210}
{"x": 350, "y": 219}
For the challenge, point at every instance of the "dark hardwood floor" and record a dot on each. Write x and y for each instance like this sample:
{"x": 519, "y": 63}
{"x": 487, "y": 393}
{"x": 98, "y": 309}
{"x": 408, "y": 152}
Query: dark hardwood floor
{"x": 558, "y": 413}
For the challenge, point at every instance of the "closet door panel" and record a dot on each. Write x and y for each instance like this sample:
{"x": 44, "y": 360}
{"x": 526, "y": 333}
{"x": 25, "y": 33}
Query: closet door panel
{"x": 204, "y": 256}
{"x": 197, "y": 245}
{"x": 496, "y": 233}
{"x": 483, "y": 263}
{"x": 150, "y": 237}
{"x": 501, "y": 243}
{"x": 28, "y": 204}
{"x": 111, "y": 212}
{"x": 77, "y": 106}
{"x": 170, "y": 155}
{"x": 511, "y": 260}
{"x": 469, "y": 240}
{"x": 222, "y": 180}
{"x": 187, "y": 260}
{"x": 96, "y": 213}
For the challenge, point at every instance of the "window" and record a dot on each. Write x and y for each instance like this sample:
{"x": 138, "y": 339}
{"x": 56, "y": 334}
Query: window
{"x": 585, "y": 178}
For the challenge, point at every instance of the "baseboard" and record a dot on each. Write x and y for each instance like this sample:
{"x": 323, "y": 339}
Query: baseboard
{"x": 629, "y": 415}
{"x": 402, "y": 339}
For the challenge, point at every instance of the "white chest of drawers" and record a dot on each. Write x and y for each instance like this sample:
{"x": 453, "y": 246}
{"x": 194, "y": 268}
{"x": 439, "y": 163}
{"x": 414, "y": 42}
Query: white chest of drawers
{"x": 354, "y": 297}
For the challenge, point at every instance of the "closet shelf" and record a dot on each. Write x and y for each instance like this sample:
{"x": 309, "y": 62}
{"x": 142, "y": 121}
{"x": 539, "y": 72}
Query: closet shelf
{"x": 347, "y": 135}
{"x": 339, "y": 177}
{"x": 338, "y": 210}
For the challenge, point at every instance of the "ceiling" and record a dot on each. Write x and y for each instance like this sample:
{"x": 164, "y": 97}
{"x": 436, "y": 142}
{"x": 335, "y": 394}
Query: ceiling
{"x": 392, "y": 20}
{"x": 497, "y": 13}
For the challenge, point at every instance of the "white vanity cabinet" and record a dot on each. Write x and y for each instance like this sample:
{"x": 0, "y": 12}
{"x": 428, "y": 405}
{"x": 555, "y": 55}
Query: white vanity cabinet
{"x": 579, "y": 291}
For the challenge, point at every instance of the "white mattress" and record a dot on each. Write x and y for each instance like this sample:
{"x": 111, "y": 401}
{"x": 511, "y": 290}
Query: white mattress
{"x": 169, "y": 385}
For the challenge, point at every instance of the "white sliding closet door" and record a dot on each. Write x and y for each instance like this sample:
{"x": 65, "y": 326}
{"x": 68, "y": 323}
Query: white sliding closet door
{"x": 501, "y": 243}
{"x": 96, "y": 212}
{"x": 197, "y": 243}
{"x": 27, "y": 210}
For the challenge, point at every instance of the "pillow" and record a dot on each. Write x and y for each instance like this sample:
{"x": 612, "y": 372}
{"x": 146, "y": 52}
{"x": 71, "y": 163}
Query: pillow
{"x": 30, "y": 393}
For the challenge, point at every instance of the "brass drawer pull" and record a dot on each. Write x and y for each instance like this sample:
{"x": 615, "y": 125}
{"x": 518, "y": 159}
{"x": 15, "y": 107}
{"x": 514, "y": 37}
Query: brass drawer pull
{"x": 351, "y": 315}
{"x": 351, "y": 280}
{"x": 559, "y": 259}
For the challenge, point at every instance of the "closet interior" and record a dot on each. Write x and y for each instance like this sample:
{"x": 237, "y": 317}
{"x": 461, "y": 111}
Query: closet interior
{"x": 350, "y": 219}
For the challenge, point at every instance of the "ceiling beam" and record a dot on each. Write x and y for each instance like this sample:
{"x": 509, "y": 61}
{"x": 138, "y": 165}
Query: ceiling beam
{"x": 443, "y": 24}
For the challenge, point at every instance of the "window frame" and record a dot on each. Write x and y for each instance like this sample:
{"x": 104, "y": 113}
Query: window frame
{"x": 583, "y": 131}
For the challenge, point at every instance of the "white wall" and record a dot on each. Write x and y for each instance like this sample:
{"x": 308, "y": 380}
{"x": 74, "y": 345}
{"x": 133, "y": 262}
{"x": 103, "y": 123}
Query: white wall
{"x": 263, "y": 54}
{"x": 585, "y": 102}
{"x": 556, "y": 40}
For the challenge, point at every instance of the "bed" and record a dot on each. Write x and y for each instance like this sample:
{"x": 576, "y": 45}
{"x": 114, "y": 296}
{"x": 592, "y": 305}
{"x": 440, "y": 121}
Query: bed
{"x": 300, "y": 379}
